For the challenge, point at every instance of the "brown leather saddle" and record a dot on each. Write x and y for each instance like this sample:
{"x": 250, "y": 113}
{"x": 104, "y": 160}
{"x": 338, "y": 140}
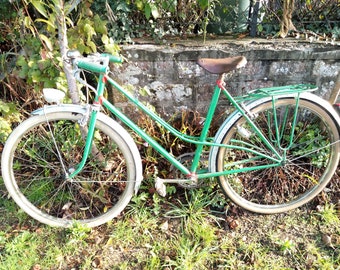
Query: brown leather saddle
{"x": 222, "y": 65}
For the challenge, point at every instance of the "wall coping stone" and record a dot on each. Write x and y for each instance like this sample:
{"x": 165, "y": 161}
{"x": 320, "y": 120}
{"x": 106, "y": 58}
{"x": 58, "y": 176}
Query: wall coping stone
{"x": 174, "y": 80}
{"x": 274, "y": 49}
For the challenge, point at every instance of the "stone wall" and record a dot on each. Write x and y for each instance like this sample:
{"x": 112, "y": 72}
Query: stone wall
{"x": 172, "y": 79}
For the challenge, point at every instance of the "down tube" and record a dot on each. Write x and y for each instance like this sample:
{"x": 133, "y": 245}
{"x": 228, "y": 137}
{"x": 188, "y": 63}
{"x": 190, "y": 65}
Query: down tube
{"x": 152, "y": 115}
{"x": 146, "y": 137}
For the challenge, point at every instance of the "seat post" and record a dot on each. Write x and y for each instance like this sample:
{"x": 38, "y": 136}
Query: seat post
{"x": 220, "y": 81}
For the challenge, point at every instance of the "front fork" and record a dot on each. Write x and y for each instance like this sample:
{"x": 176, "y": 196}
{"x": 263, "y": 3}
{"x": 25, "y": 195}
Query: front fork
{"x": 88, "y": 133}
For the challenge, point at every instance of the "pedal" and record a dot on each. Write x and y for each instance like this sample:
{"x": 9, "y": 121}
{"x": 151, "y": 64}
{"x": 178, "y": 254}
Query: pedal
{"x": 160, "y": 187}
{"x": 245, "y": 133}
{"x": 186, "y": 160}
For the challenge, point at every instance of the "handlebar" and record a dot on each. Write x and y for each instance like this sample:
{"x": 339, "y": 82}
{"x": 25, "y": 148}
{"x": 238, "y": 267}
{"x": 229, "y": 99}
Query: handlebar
{"x": 113, "y": 58}
{"x": 90, "y": 66}
{"x": 95, "y": 63}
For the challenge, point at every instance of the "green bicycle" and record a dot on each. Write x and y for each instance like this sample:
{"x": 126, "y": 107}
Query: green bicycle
{"x": 276, "y": 151}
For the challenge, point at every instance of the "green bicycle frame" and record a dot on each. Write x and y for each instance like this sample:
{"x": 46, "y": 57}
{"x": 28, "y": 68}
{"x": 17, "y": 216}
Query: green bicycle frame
{"x": 200, "y": 141}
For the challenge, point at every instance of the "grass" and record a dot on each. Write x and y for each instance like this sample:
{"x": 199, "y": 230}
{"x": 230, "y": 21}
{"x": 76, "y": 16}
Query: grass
{"x": 189, "y": 229}
{"x": 179, "y": 232}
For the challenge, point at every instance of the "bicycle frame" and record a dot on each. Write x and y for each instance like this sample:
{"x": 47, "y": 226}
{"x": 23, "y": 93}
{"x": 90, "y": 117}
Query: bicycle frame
{"x": 200, "y": 141}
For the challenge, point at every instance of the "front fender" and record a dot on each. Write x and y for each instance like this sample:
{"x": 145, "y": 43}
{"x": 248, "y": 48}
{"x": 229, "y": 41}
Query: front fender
{"x": 60, "y": 108}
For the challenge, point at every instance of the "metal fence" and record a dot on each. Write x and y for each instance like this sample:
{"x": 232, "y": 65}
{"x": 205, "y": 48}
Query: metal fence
{"x": 237, "y": 15}
{"x": 185, "y": 17}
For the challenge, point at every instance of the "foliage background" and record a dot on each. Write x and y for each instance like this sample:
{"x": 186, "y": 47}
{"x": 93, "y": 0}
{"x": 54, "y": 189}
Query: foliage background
{"x": 189, "y": 230}
{"x": 30, "y": 58}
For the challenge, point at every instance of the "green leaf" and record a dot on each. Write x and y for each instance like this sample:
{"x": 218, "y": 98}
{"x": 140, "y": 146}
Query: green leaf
{"x": 27, "y": 24}
{"x": 144, "y": 92}
{"x": 48, "y": 22}
{"x": 112, "y": 48}
{"x": 105, "y": 39}
{"x": 23, "y": 72}
{"x": 89, "y": 30}
{"x": 39, "y": 6}
{"x": 147, "y": 11}
{"x": 260, "y": 28}
{"x": 154, "y": 11}
{"x": 99, "y": 25}
{"x": 4, "y": 107}
{"x": 123, "y": 7}
{"x": 92, "y": 45}
{"x": 36, "y": 76}
{"x": 47, "y": 41}
{"x": 203, "y": 4}
{"x": 21, "y": 62}
{"x": 172, "y": 6}
{"x": 69, "y": 21}
{"x": 139, "y": 4}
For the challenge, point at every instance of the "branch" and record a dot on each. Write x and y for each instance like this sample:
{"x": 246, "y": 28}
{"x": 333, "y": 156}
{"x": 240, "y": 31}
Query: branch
{"x": 286, "y": 23}
{"x": 335, "y": 91}
{"x": 74, "y": 4}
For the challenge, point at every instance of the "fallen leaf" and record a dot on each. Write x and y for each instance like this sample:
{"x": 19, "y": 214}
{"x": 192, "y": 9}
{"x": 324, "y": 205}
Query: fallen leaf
{"x": 232, "y": 223}
{"x": 243, "y": 35}
{"x": 164, "y": 226}
{"x": 36, "y": 267}
{"x": 327, "y": 240}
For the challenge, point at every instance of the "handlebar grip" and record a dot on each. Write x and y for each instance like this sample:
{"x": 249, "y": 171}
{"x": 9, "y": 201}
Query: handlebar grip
{"x": 94, "y": 67}
{"x": 113, "y": 58}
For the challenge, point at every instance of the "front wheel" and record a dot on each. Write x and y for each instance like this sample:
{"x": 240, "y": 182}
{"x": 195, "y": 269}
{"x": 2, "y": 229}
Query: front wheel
{"x": 310, "y": 151}
{"x": 44, "y": 149}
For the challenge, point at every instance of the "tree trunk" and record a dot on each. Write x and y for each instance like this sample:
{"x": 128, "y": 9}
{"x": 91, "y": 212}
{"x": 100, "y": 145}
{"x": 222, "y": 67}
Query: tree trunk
{"x": 63, "y": 45}
{"x": 286, "y": 23}
{"x": 335, "y": 92}
{"x": 71, "y": 81}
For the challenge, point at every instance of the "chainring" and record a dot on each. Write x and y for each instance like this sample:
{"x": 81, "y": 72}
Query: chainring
{"x": 186, "y": 160}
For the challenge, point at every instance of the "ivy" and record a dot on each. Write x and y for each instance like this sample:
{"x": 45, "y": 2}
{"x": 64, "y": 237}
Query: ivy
{"x": 8, "y": 115}
{"x": 157, "y": 18}
{"x": 41, "y": 64}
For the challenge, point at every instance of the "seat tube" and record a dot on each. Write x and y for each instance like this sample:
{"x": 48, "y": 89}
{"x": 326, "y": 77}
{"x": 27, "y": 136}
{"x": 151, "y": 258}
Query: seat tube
{"x": 206, "y": 126}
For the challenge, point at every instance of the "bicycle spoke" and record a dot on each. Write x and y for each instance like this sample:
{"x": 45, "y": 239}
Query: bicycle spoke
{"x": 44, "y": 155}
{"x": 309, "y": 156}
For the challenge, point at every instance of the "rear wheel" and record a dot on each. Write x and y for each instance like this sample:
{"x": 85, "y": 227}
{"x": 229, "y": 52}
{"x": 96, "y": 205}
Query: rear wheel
{"x": 311, "y": 157}
{"x": 40, "y": 154}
